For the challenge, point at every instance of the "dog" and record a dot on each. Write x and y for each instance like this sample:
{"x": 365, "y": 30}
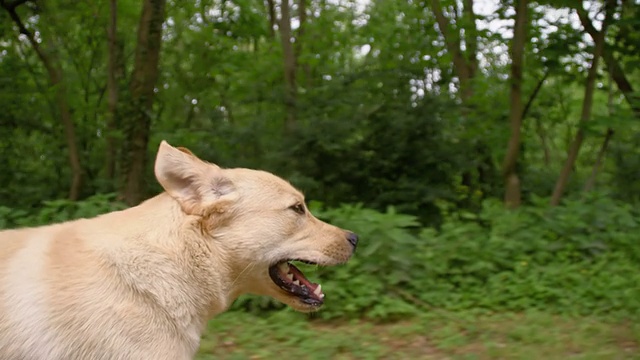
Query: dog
{"x": 143, "y": 282}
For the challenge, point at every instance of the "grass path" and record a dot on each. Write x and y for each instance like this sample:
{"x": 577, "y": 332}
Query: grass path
{"x": 287, "y": 335}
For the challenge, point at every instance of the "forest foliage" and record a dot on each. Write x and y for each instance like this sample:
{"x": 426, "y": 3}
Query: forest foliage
{"x": 487, "y": 151}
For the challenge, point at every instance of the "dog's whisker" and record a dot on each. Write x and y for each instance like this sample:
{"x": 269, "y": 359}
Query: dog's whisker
{"x": 249, "y": 266}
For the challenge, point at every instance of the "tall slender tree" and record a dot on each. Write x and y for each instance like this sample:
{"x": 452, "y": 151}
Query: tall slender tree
{"x": 574, "y": 149}
{"x": 512, "y": 194}
{"x": 143, "y": 81}
{"x": 112, "y": 88}
{"x": 289, "y": 62}
{"x": 613, "y": 66}
{"x": 465, "y": 58}
{"x": 51, "y": 63}
{"x": 459, "y": 30}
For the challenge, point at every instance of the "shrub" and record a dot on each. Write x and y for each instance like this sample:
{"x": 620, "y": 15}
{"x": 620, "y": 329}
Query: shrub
{"x": 575, "y": 259}
{"x": 59, "y": 210}
{"x": 579, "y": 258}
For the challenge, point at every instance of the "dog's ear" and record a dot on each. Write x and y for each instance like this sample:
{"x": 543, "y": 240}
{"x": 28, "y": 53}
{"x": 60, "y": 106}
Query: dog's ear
{"x": 198, "y": 186}
{"x": 183, "y": 149}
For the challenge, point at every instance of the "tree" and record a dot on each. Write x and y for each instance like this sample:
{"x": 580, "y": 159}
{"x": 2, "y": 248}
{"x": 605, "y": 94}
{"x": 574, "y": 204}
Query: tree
{"x": 613, "y": 66}
{"x": 465, "y": 63}
{"x": 140, "y": 108}
{"x": 56, "y": 79}
{"x": 300, "y": 40}
{"x": 289, "y": 65}
{"x": 512, "y": 195}
{"x": 271, "y": 9}
{"x": 113, "y": 70}
{"x": 599, "y": 44}
{"x": 460, "y": 34}
{"x": 408, "y": 97}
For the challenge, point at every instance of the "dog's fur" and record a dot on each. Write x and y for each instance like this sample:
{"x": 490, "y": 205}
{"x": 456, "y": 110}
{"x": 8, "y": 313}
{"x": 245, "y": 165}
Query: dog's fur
{"x": 141, "y": 283}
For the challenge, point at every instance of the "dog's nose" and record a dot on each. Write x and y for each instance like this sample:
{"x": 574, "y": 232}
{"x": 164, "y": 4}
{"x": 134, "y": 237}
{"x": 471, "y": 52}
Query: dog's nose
{"x": 352, "y": 238}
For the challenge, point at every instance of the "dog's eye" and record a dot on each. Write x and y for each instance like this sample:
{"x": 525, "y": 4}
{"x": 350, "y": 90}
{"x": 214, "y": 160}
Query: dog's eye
{"x": 299, "y": 208}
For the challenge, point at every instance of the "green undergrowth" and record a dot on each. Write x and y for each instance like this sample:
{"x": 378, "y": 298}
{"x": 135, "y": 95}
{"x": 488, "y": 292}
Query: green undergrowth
{"x": 54, "y": 211}
{"x": 578, "y": 259}
{"x": 430, "y": 335}
{"x": 582, "y": 258}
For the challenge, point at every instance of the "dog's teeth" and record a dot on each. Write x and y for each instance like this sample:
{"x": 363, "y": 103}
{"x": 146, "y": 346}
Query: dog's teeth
{"x": 284, "y": 267}
{"x": 290, "y": 276}
{"x": 296, "y": 282}
{"x": 318, "y": 291}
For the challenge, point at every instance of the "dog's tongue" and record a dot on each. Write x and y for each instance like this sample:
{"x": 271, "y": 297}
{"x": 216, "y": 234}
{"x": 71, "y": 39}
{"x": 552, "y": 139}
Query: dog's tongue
{"x": 292, "y": 274}
{"x": 298, "y": 275}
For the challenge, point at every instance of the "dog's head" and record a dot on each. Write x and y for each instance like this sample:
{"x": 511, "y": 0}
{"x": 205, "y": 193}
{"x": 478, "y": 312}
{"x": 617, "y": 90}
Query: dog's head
{"x": 257, "y": 223}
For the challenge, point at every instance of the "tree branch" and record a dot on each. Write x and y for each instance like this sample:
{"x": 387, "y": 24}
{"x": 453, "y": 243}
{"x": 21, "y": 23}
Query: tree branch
{"x": 11, "y": 6}
{"x": 11, "y": 9}
{"x": 616, "y": 71}
{"x": 534, "y": 94}
{"x": 452, "y": 43}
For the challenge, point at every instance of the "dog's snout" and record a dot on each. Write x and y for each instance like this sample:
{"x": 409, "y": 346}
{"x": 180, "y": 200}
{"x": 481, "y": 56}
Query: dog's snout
{"x": 352, "y": 238}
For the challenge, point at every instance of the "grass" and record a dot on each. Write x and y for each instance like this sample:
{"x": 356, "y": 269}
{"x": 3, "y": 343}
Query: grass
{"x": 237, "y": 335}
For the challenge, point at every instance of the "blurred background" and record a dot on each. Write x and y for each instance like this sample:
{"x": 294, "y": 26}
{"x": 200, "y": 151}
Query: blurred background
{"x": 487, "y": 153}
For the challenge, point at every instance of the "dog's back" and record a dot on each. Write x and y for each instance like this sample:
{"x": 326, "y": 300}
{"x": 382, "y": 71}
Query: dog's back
{"x": 60, "y": 298}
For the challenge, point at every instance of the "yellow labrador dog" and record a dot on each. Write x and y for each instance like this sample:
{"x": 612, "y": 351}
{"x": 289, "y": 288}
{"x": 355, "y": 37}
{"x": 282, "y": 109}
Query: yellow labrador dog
{"x": 141, "y": 283}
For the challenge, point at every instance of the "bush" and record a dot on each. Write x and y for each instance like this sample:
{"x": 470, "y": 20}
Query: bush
{"x": 59, "y": 210}
{"x": 579, "y": 258}
{"x": 574, "y": 259}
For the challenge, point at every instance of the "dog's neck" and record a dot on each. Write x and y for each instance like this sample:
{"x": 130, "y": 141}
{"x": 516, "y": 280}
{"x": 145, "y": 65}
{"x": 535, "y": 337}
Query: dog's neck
{"x": 186, "y": 274}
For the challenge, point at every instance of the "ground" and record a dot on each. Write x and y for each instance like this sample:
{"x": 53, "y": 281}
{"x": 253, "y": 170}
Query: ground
{"x": 437, "y": 335}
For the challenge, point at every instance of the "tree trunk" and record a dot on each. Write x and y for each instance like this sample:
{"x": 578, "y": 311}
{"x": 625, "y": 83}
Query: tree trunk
{"x": 461, "y": 67}
{"x": 512, "y": 195}
{"x": 616, "y": 71}
{"x": 540, "y": 131}
{"x": 56, "y": 78}
{"x": 574, "y": 149}
{"x": 591, "y": 182}
{"x": 471, "y": 38}
{"x": 271, "y": 8}
{"x": 465, "y": 64}
{"x": 112, "y": 89}
{"x": 143, "y": 80}
{"x": 300, "y": 39}
{"x": 289, "y": 61}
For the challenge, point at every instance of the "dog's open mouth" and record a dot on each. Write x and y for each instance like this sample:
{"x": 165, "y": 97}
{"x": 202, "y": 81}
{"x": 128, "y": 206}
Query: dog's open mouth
{"x": 290, "y": 279}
